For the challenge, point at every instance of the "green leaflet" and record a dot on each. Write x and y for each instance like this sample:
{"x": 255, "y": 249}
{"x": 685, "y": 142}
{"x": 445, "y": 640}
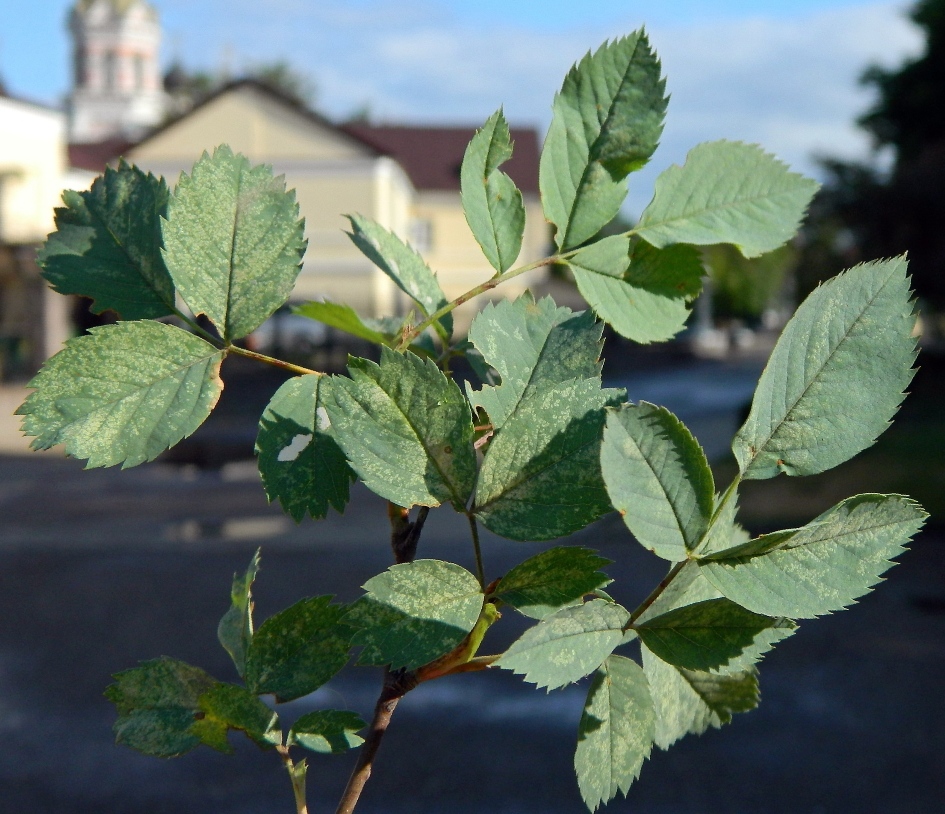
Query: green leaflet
{"x": 568, "y": 645}
{"x": 688, "y": 587}
{"x": 552, "y": 580}
{"x": 343, "y": 318}
{"x": 157, "y": 704}
{"x": 727, "y": 192}
{"x": 836, "y": 376}
{"x": 226, "y": 707}
{"x": 658, "y": 478}
{"x": 124, "y": 393}
{"x": 406, "y": 429}
{"x": 492, "y": 203}
{"x": 328, "y": 731}
{"x": 107, "y": 245}
{"x": 607, "y": 121}
{"x": 689, "y": 702}
{"x": 824, "y": 566}
{"x": 402, "y": 264}
{"x": 540, "y": 477}
{"x": 414, "y": 613}
{"x": 296, "y": 651}
{"x": 300, "y": 462}
{"x": 711, "y": 635}
{"x": 233, "y": 241}
{"x": 616, "y": 731}
{"x": 235, "y": 630}
{"x": 724, "y": 531}
{"x": 643, "y": 293}
{"x": 531, "y": 345}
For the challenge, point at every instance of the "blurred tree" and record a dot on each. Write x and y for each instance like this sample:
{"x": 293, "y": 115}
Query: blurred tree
{"x": 745, "y": 289}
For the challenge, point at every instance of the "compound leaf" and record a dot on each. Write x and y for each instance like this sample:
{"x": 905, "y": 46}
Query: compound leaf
{"x": 658, "y": 478}
{"x": 568, "y": 645}
{"x": 227, "y": 706}
{"x": 124, "y": 393}
{"x": 836, "y": 376}
{"x": 689, "y": 702}
{"x": 296, "y": 651}
{"x": 300, "y": 462}
{"x": 158, "y": 703}
{"x": 406, "y": 429}
{"x": 233, "y": 241}
{"x": 402, "y": 264}
{"x": 607, "y": 120}
{"x": 414, "y": 613}
{"x": 492, "y": 203}
{"x": 824, "y": 566}
{"x": 540, "y": 477}
{"x": 107, "y": 245}
{"x": 328, "y": 731}
{"x": 616, "y": 731}
{"x": 531, "y": 345}
{"x": 552, "y": 580}
{"x": 643, "y": 293}
{"x": 235, "y": 630}
{"x": 712, "y": 635}
{"x": 727, "y": 192}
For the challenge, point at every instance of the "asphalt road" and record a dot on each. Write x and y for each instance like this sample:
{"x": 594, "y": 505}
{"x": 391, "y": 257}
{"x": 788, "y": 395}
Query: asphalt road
{"x": 104, "y": 568}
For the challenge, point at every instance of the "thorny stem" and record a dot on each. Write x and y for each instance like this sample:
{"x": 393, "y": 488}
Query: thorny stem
{"x": 297, "y": 772}
{"x": 269, "y": 360}
{"x": 480, "y": 571}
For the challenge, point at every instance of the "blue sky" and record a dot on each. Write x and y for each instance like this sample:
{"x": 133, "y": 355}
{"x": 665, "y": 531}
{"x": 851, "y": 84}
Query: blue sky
{"x": 780, "y": 73}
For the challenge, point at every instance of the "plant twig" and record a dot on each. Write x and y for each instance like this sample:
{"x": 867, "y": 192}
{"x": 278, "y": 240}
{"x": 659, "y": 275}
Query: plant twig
{"x": 297, "y": 772}
{"x": 657, "y": 592}
{"x": 269, "y": 360}
{"x": 480, "y": 571}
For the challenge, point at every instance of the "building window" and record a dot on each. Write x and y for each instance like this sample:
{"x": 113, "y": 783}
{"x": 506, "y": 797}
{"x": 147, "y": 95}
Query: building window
{"x": 420, "y": 234}
{"x": 81, "y": 68}
{"x": 139, "y": 72}
{"x": 111, "y": 71}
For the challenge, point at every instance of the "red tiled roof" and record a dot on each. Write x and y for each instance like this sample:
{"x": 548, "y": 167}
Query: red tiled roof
{"x": 432, "y": 156}
{"x": 96, "y": 155}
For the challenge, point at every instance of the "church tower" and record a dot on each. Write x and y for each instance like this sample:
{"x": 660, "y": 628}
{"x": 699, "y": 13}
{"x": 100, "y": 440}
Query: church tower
{"x": 117, "y": 90}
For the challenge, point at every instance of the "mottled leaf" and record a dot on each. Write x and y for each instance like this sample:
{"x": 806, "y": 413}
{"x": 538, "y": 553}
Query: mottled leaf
{"x": 568, "y": 645}
{"x": 296, "y": 651}
{"x": 606, "y": 122}
{"x": 824, "y": 566}
{"x": 531, "y": 345}
{"x": 552, "y": 580}
{"x": 329, "y": 731}
{"x": 300, "y": 462}
{"x": 107, "y": 245}
{"x": 406, "y": 429}
{"x": 616, "y": 731}
{"x": 492, "y": 203}
{"x": 235, "y": 630}
{"x": 658, "y": 478}
{"x": 836, "y": 376}
{"x": 233, "y": 241}
{"x": 227, "y": 706}
{"x": 414, "y": 613}
{"x": 124, "y": 393}
{"x": 540, "y": 477}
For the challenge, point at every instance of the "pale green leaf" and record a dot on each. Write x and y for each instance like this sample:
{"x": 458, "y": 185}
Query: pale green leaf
{"x": 687, "y": 587}
{"x": 540, "y": 477}
{"x": 689, "y": 702}
{"x": 616, "y": 731}
{"x": 328, "y": 731}
{"x": 233, "y": 241}
{"x": 342, "y": 318}
{"x": 552, "y": 580}
{"x": 606, "y": 122}
{"x": 643, "y": 293}
{"x": 235, "y": 630}
{"x": 414, "y": 613}
{"x": 531, "y": 345}
{"x": 296, "y": 651}
{"x": 157, "y": 704}
{"x": 727, "y": 192}
{"x": 712, "y": 635}
{"x": 300, "y": 462}
{"x": 124, "y": 393}
{"x": 658, "y": 478}
{"x": 402, "y": 264}
{"x": 724, "y": 531}
{"x": 492, "y": 203}
{"x": 568, "y": 645}
{"x": 107, "y": 245}
{"x": 406, "y": 429}
{"x": 824, "y": 566}
{"x": 227, "y": 706}
{"x": 836, "y": 376}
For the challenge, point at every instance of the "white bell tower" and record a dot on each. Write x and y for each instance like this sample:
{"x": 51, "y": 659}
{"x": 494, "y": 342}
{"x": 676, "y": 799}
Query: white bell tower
{"x": 116, "y": 90}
